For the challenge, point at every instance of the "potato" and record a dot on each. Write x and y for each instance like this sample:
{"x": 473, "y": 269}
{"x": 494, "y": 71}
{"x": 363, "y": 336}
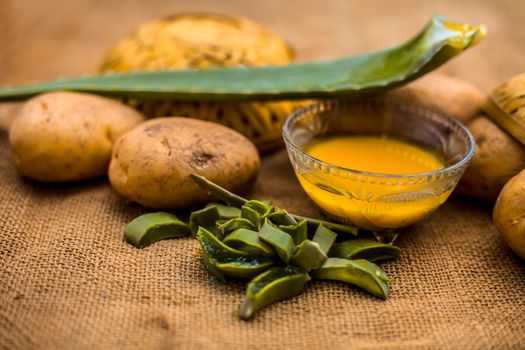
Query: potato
{"x": 152, "y": 163}
{"x": 451, "y": 96}
{"x": 498, "y": 157}
{"x": 66, "y": 136}
{"x": 509, "y": 214}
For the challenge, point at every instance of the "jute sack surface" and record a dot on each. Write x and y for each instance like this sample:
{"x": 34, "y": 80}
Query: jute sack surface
{"x": 69, "y": 281}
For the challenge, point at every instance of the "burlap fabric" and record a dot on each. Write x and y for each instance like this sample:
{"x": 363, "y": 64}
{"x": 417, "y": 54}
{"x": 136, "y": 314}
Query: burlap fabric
{"x": 68, "y": 281}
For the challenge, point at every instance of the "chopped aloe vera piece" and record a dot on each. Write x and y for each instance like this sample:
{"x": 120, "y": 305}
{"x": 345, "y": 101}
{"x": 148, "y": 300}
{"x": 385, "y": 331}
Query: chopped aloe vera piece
{"x": 252, "y": 215}
{"x": 281, "y": 217}
{"x": 149, "y": 228}
{"x": 248, "y": 241}
{"x": 235, "y": 224}
{"x": 361, "y": 273}
{"x": 358, "y": 75}
{"x": 225, "y": 211}
{"x": 206, "y": 218}
{"x": 325, "y": 237}
{"x": 298, "y": 231}
{"x": 367, "y": 249}
{"x": 261, "y": 207}
{"x": 223, "y": 261}
{"x": 276, "y": 284}
{"x": 281, "y": 241}
{"x": 309, "y": 256}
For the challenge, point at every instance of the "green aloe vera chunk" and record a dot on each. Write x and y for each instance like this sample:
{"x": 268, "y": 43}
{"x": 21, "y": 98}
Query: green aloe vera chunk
{"x": 362, "y": 74}
{"x": 361, "y": 273}
{"x": 248, "y": 241}
{"x": 223, "y": 261}
{"x": 207, "y": 218}
{"x": 281, "y": 217}
{"x": 225, "y": 211}
{"x": 325, "y": 237}
{"x": 309, "y": 256}
{"x": 150, "y": 228}
{"x": 252, "y": 215}
{"x": 235, "y": 224}
{"x": 365, "y": 249}
{"x": 276, "y": 284}
{"x": 263, "y": 208}
{"x": 281, "y": 241}
{"x": 298, "y": 231}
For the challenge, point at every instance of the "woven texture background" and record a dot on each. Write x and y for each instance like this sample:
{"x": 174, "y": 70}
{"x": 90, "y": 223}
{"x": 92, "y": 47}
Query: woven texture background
{"x": 67, "y": 279}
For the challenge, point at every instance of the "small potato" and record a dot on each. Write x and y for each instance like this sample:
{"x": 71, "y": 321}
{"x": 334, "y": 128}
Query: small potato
{"x": 498, "y": 157}
{"x": 451, "y": 96}
{"x": 66, "y": 136}
{"x": 152, "y": 163}
{"x": 509, "y": 214}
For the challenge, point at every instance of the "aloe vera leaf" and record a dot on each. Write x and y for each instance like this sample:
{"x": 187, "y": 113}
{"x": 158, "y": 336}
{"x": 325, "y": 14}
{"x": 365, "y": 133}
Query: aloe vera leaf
{"x": 280, "y": 241}
{"x": 247, "y": 241}
{"x": 298, "y": 231}
{"x": 238, "y": 201}
{"x": 275, "y": 284}
{"x": 365, "y": 249}
{"x": 361, "y": 273}
{"x": 325, "y": 238}
{"x": 372, "y": 72}
{"x": 152, "y": 227}
{"x": 223, "y": 261}
{"x": 308, "y": 256}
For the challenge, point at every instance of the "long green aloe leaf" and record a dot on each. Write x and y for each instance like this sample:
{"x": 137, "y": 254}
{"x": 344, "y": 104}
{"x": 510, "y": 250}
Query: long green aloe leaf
{"x": 439, "y": 41}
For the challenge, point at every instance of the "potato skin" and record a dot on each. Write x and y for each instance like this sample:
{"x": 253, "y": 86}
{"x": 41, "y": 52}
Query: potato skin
{"x": 509, "y": 214}
{"x": 152, "y": 163}
{"x": 498, "y": 157}
{"x": 455, "y": 97}
{"x": 67, "y": 136}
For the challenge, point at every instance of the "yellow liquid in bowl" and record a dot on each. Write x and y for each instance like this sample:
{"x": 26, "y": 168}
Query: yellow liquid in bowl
{"x": 369, "y": 201}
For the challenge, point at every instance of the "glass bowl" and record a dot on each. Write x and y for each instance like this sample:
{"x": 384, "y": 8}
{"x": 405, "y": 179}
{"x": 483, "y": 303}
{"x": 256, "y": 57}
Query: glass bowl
{"x": 377, "y": 201}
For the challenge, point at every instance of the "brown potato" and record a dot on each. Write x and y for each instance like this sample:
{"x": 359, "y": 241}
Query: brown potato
{"x": 498, "y": 157}
{"x": 65, "y": 136}
{"x": 451, "y": 96}
{"x": 152, "y": 163}
{"x": 509, "y": 214}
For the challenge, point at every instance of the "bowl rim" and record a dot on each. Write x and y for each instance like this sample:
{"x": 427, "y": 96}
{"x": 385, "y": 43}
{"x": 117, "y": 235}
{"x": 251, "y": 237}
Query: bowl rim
{"x": 415, "y": 108}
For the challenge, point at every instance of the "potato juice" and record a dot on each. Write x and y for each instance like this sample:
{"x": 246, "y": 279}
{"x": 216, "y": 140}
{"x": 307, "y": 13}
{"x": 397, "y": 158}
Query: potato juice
{"x": 378, "y": 203}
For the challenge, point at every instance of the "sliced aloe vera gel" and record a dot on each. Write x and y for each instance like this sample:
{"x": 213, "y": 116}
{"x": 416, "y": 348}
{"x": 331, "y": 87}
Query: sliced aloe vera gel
{"x": 153, "y": 227}
{"x": 277, "y": 251}
{"x": 309, "y": 256}
{"x": 368, "y": 249}
{"x": 279, "y": 240}
{"x": 276, "y": 284}
{"x": 298, "y": 231}
{"x": 223, "y": 261}
{"x": 235, "y": 224}
{"x": 361, "y": 273}
{"x": 225, "y": 211}
{"x": 325, "y": 238}
{"x": 248, "y": 241}
{"x": 207, "y": 218}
